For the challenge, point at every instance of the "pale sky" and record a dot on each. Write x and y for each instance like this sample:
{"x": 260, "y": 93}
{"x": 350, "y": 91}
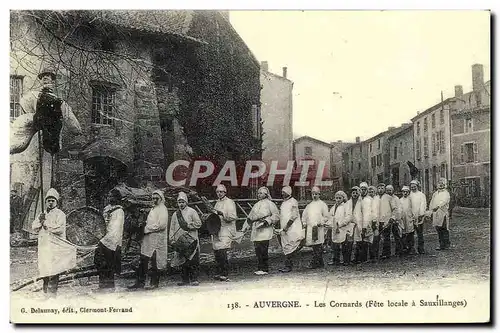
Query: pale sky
{"x": 385, "y": 66}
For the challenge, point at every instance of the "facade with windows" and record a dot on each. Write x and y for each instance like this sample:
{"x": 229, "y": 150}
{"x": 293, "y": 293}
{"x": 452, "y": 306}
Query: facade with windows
{"x": 401, "y": 152}
{"x": 356, "y": 164}
{"x": 133, "y": 80}
{"x": 471, "y": 139}
{"x": 277, "y": 117}
{"x": 431, "y": 141}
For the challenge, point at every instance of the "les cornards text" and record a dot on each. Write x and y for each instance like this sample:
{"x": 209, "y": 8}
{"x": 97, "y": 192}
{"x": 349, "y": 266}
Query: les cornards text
{"x": 401, "y": 303}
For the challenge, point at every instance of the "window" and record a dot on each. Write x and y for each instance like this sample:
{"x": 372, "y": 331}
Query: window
{"x": 352, "y": 165}
{"x": 360, "y": 149}
{"x": 378, "y": 143}
{"x": 417, "y": 148}
{"x": 395, "y": 152}
{"x": 418, "y": 128}
{"x": 308, "y": 151}
{"x": 468, "y": 125}
{"x": 359, "y": 165}
{"x": 103, "y": 105}
{"x": 471, "y": 187}
{"x": 441, "y": 117}
{"x": 256, "y": 121}
{"x": 373, "y": 162}
{"x": 16, "y": 91}
{"x": 478, "y": 98}
{"x": 468, "y": 152}
{"x": 434, "y": 144}
{"x": 443, "y": 170}
{"x": 401, "y": 148}
{"x": 442, "y": 147}
{"x": 351, "y": 151}
{"x": 370, "y": 147}
{"x": 425, "y": 124}
{"x": 433, "y": 120}
{"x": 426, "y": 146}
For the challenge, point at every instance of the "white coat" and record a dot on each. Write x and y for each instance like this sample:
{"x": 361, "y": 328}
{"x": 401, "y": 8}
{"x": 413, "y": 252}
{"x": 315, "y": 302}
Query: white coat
{"x": 418, "y": 205}
{"x": 175, "y": 231}
{"x": 407, "y": 217}
{"x": 362, "y": 217}
{"x": 265, "y": 210}
{"x": 227, "y": 232}
{"x": 114, "y": 218}
{"x": 55, "y": 253}
{"x": 341, "y": 221}
{"x": 441, "y": 201}
{"x": 316, "y": 212}
{"x": 375, "y": 213}
{"x": 291, "y": 239}
{"x": 155, "y": 235}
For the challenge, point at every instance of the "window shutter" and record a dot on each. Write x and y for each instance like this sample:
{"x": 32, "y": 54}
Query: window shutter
{"x": 462, "y": 148}
{"x": 475, "y": 152}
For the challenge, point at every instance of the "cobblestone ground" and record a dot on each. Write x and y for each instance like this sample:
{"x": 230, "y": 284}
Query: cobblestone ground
{"x": 467, "y": 261}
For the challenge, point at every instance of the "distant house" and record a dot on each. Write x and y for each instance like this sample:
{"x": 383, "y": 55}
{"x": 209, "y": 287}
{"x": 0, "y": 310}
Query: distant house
{"x": 471, "y": 142}
{"x": 400, "y": 153}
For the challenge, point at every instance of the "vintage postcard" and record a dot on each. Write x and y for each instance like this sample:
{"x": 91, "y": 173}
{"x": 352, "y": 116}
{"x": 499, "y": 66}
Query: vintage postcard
{"x": 210, "y": 166}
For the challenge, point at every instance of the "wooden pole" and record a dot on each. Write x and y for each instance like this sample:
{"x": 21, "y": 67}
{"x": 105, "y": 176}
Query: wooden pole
{"x": 40, "y": 162}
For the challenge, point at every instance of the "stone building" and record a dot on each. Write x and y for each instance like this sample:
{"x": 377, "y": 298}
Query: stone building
{"x": 277, "y": 116}
{"x": 400, "y": 153}
{"x": 356, "y": 164}
{"x": 431, "y": 135}
{"x": 471, "y": 142}
{"x": 148, "y": 88}
{"x": 337, "y": 165}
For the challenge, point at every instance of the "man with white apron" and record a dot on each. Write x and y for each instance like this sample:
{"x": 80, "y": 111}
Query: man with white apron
{"x": 418, "y": 207}
{"x": 341, "y": 228}
{"x": 221, "y": 243}
{"x": 107, "y": 256}
{"x": 389, "y": 216}
{"x": 290, "y": 232}
{"x": 262, "y": 218}
{"x": 408, "y": 222}
{"x": 154, "y": 243}
{"x": 315, "y": 217}
{"x": 439, "y": 207}
{"x": 55, "y": 254}
{"x": 374, "y": 248}
{"x": 363, "y": 234}
{"x": 184, "y": 227}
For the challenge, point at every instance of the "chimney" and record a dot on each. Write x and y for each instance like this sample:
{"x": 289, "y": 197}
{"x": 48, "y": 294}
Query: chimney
{"x": 459, "y": 91}
{"x": 284, "y": 72}
{"x": 418, "y": 112}
{"x": 264, "y": 66}
{"x": 477, "y": 77}
{"x": 339, "y": 141}
{"x": 358, "y": 139}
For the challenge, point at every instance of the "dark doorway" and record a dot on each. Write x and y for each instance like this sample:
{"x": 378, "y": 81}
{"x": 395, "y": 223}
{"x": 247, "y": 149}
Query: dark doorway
{"x": 101, "y": 175}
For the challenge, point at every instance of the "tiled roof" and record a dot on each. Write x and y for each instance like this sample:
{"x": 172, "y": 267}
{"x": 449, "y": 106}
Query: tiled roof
{"x": 172, "y": 22}
{"x": 175, "y": 22}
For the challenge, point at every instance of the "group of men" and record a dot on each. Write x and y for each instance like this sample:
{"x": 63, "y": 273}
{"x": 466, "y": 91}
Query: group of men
{"x": 357, "y": 224}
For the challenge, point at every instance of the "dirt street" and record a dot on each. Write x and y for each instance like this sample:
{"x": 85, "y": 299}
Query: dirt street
{"x": 468, "y": 260}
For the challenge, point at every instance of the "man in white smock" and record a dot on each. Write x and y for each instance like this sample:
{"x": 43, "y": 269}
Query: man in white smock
{"x": 183, "y": 229}
{"x": 341, "y": 229}
{"x": 315, "y": 217}
{"x": 221, "y": 243}
{"x": 154, "y": 243}
{"x": 407, "y": 222}
{"x": 55, "y": 254}
{"x": 439, "y": 207}
{"x": 290, "y": 232}
{"x": 418, "y": 207}
{"x": 362, "y": 216}
{"x": 263, "y": 216}
{"x": 107, "y": 256}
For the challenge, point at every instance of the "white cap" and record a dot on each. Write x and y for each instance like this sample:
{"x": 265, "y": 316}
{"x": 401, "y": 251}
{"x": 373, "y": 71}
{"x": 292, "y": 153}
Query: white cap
{"x": 363, "y": 185}
{"x": 52, "y": 193}
{"x": 287, "y": 190}
{"x": 221, "y": 187}
{"x": 182, "y": 196}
